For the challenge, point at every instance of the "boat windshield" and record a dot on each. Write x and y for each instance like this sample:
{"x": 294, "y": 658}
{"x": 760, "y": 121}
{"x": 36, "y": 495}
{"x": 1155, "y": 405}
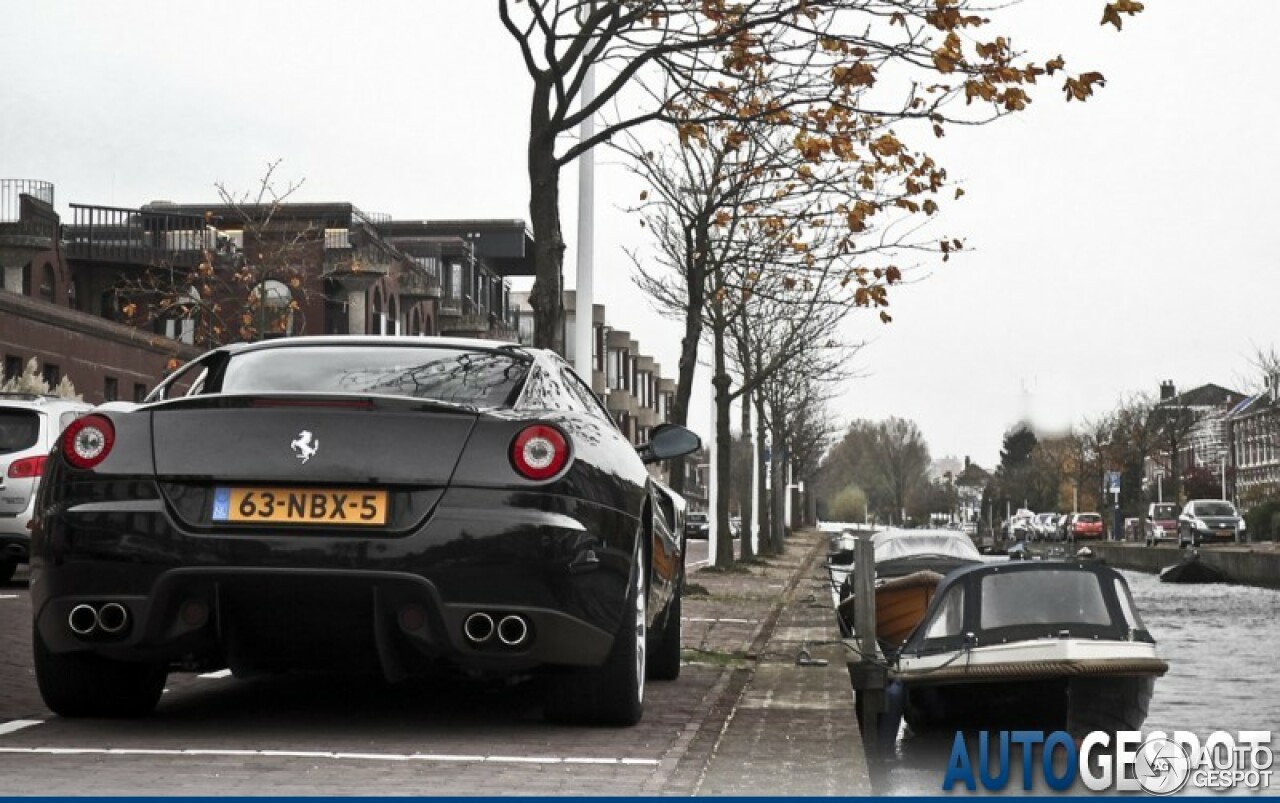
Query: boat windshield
{"x": 915, "y": 545}
{"x": 1042, "y": 598}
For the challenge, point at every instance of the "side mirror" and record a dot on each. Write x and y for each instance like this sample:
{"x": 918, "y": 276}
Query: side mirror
{"x": 668, "y": 441}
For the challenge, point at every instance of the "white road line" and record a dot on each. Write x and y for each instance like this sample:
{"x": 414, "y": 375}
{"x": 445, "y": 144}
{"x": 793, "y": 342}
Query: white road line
{"x": 229, "y": 753}
{"x": 18, "y": 724}
{"x": 730, "y": 621}
{"x": 221, "y": 673}
{"x": 8, "y": 596}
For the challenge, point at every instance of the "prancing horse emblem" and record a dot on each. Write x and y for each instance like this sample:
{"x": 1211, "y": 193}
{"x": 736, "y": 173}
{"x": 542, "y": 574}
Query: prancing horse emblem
{"x": 304, "y": 447}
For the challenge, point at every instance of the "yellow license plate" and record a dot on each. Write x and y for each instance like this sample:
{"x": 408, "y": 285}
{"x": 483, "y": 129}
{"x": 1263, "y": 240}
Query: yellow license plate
{"x": 328, "y": 506}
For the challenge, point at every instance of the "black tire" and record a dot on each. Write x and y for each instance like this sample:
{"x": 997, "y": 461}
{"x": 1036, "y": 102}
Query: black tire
{"x": 7, "y": 568}
{"x": 612, "y": 694}
{"x": 81, "y": 684}
{"x": 664, "y": 653}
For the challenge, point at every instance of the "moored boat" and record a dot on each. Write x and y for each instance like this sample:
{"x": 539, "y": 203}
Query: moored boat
{"x": 909, "y": 566}
{"x": 1192, "y": 569}
{"x": 1033, "y": 645}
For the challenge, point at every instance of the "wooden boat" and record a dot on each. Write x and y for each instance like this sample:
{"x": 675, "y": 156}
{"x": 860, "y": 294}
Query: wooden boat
{"x": 1041, "y": 645}
{"x": 909, "y": 566}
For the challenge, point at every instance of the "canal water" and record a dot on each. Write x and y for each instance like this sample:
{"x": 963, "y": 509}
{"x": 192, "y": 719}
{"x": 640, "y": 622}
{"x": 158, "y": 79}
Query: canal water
{"x": 1222, "y": 643}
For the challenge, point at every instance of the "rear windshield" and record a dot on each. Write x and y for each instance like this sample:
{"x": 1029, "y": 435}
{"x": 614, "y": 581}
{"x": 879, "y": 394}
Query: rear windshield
{"x": 476, "y": 378}
{"x": 1089, "y": 518}
{"x": 1165, "y": 511}
{"x": 1214, "y": 509}
{"x": 19, "y": 429}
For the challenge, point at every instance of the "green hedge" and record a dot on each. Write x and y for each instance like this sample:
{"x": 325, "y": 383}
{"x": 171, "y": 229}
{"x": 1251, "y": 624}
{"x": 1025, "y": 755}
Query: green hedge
{"x": 1263, "y": 522}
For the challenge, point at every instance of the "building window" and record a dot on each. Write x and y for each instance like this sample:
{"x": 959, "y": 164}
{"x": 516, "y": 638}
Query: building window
{"x": 12, "y": 367}
{"x": 110, "y": 389}
{"x": 48, "y": 282}
{"x": 73, "y": 294}
{"x": 139, "y": 392}
{"x": 52, "y": 375}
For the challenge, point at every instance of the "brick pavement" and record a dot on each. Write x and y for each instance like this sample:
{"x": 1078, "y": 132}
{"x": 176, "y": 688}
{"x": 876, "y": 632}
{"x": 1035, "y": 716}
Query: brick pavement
{"x": 784, "y": 728}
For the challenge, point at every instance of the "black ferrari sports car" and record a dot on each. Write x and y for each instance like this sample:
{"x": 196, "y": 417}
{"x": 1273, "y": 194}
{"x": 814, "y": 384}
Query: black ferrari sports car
{"x": 398, "y": 505}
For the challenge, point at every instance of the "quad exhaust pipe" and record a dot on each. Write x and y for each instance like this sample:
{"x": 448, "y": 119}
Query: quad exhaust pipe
{"x": 83, "y": 620}
{"x": 111, "y": 618}
{"x": 512, "y": 630}
{"x": 478, "y": 627}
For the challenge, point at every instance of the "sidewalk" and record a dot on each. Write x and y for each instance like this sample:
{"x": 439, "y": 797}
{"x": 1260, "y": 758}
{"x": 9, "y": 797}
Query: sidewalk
{"x": 788, "y": 729}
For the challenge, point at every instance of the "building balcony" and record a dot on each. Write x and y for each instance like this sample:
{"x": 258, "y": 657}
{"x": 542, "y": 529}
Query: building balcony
{"x": 144, "y": 237}
{"x": 351, "y": 268}
{"x": 416, "y": 285}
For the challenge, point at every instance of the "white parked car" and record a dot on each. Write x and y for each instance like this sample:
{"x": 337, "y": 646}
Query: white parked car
{"x": 29, "y": 427}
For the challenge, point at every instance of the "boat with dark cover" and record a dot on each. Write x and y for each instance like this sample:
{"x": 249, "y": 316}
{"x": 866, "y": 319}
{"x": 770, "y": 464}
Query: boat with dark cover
{"x": 1031, "y": 645}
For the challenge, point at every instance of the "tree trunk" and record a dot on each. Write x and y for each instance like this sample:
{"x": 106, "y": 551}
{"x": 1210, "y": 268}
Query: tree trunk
{"x": 778, "y": 516}
{"x": 546, "y": 298}
{"x": 761, "y": 489}
{"x": 745, "y": 550}
{"x": 688, "y": 365}
{"x": 724, "y": 443}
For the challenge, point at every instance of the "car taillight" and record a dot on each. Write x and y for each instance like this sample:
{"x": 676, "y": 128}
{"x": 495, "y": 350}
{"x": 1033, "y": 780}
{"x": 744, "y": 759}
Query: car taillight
{"x": 87, "y": 441}
{"x": 540, "y": 452}
{"x": 27, "y": 468}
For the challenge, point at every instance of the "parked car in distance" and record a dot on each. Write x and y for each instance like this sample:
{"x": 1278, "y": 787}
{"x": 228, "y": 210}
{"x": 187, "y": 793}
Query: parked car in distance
{"x": 405, "y": 506}
{"x": 29, "y": 427}
{"x": 1043, "y": 525}
{"x": 1162, "y": 523}
{"x": 1018, "y": 526}
{"x": 697, "y": 525}
{"x": 1086, "y": 526}
{"x": 1064, "y": 526}
{"x": 1209, "y": 520}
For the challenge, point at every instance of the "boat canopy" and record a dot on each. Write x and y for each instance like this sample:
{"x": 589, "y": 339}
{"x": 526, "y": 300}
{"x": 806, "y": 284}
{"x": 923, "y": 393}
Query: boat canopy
{"x": 898, "y": 544}
{"x": 999, "y": 603}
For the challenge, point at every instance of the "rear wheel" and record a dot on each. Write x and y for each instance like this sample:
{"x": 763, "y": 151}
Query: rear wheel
{"x": 7, "y": 568}
{"x": 82, "y": 684}
{"x": 613, "y": 694}
{"x": 664, "y": 657}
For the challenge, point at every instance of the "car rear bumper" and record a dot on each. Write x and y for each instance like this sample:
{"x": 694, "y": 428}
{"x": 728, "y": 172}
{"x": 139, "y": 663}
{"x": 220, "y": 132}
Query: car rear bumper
{"x": 260, "y": 599}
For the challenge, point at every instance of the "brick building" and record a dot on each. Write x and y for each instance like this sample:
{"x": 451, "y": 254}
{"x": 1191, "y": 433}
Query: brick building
{"x": 70, "y": 286}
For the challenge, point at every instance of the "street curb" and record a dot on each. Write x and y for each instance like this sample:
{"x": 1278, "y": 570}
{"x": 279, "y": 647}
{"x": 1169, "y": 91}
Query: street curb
{"x": 765, "y": 633}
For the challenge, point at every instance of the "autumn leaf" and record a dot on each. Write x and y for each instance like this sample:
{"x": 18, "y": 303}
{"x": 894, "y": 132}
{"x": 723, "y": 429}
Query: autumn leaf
{"x": 859, "y": 74}
{"x": 1053, "y": 65}
{"x": 644, "y": 195}
{"x": 1113, "y": 11}
{"x": 885, "y": 317}
{"x": 1081, "y": 88}
{"x": 886, "y": 145}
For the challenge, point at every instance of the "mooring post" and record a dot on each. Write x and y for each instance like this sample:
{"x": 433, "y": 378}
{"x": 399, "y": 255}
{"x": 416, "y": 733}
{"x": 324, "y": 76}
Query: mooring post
{"x": 868, "y": 671}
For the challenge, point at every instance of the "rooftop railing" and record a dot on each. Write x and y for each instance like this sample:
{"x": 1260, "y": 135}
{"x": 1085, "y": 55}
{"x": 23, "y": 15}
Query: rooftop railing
{"x": 134, "y": 236}
{"x": 11, "y": 192}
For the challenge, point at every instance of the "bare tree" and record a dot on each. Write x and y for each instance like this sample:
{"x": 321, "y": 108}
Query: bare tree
{"x": 236, "y": 292}
{"x": 837, "y": 66}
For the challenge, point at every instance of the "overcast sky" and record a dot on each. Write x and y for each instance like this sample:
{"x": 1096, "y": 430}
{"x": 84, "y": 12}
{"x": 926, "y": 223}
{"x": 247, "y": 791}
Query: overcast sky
{"x": 1112, "y": 244}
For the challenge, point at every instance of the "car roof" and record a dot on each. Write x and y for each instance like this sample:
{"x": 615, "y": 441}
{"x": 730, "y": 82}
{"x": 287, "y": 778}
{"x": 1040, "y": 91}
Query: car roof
{"x": 379, "y": 340}
{"x": 31, "y": 401}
